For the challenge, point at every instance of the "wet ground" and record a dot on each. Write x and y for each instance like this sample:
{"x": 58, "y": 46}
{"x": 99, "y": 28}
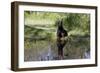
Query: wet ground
{"x": 75, "y": 48}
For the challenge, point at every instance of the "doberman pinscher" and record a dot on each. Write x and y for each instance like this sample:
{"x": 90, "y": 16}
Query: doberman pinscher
{"x": 61, "y": 41}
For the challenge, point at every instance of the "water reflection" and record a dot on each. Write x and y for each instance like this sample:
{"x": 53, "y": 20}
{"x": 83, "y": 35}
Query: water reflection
{"x": 45, "y": 51}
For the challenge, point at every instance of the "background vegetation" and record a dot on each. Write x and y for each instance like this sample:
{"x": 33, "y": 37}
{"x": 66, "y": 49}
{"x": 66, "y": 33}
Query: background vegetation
{"x": 40, "y": 35}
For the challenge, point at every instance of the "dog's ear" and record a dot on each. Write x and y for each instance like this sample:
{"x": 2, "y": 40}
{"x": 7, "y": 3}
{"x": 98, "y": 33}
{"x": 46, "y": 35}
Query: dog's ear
{"x": 61, "y": 22}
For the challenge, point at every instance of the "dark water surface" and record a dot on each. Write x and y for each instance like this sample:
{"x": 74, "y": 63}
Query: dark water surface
{"x": 75, "y": 48}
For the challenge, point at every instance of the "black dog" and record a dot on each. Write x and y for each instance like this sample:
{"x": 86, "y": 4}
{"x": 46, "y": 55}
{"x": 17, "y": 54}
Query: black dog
{"x": 61, "y": 41}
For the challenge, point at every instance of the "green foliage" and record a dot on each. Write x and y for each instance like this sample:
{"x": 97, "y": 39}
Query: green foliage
{"x": 77, "y": 21}
{"x": 40, "y": 31}
{"x": 42, "y": 25}
{"x": 71, "y": 21}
